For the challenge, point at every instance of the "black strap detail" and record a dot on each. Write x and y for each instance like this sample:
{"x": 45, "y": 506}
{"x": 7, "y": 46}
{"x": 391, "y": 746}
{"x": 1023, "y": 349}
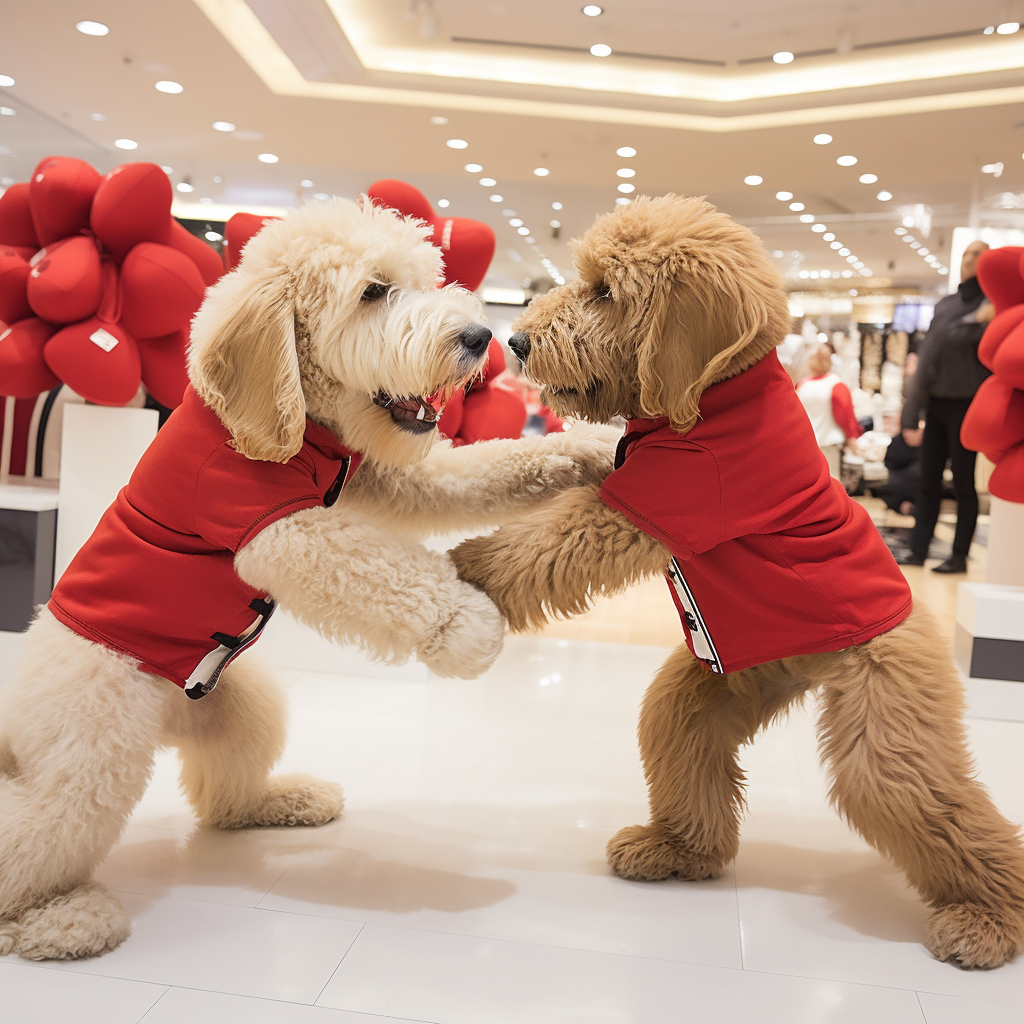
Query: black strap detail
{"x": 261, "y": 607}
{"x": 331, "y": 496}
{"x": 44, "y": 416}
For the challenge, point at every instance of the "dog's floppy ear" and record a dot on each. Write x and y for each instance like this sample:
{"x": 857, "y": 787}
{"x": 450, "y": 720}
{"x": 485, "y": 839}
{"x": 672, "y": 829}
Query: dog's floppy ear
{"x": 698, "y": 332}
{"x": 242, "y": 362}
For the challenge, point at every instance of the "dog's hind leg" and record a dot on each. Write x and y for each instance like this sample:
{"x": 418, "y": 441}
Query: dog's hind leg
{"x": 893, "y": 736}
{"x": 691, "y": 727}
{"x": 229, "y": 741}
{"x": 81, "y": 724}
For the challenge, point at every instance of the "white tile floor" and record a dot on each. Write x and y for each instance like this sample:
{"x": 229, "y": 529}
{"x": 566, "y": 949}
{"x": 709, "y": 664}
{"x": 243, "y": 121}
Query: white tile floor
{"x": 466, "y": 883}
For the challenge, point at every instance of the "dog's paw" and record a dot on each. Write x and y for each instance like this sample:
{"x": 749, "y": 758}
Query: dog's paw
{"x": 467, "y": 644}
{"x": 649, "y": 853}
{"x": 85, "y": 922}
{"x": 590, "y": 446}
{"x": 970, "y": 936}
{"x": 290, "y": 800}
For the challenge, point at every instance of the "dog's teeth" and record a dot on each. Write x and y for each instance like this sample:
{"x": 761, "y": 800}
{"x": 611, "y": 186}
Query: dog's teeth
{"x": 421, "y": 414}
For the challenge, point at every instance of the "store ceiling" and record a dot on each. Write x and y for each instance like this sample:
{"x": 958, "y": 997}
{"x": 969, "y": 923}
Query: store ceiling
{"x": 344, "y": 92}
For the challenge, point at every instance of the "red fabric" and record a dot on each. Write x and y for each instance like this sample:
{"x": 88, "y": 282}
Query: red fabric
{"x": 1000, "y": 277}
{"x": 999, "y": 329}
{"x": 842, "y": 411}
{"x": 23, "y": 370}
{"x": 66, "y": 283}
{"x": 60, "y": 196}
{"x": 995, "y": 418}
{"x": 97, "y": 359}
{"x": 493, "y": 411}
{"x": 132, "y": 205}
{"x": 24, "y": 409}
{"x": 14, "y": 271}
{"x": 161, "y": 289}
{"x": 208, "y": 262}
{"x": 1008, "y": 361}
{"x": 1007, "y": 479}
{"x": 778, "y": 558}
{"x": 16, "y": 227}
{"x": 164, "y": 368}
{"x": 157, "y": 579}
{"x": 237, "y": 233}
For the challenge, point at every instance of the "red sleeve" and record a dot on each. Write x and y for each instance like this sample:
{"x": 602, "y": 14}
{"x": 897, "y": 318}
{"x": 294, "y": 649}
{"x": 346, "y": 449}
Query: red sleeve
{"x": 237, "y": 497}
{"x": 842, "y": 411}
{"x": 672, "y": 494}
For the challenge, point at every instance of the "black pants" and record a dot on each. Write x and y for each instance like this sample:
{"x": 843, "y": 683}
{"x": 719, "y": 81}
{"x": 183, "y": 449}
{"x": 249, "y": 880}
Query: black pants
{"x": 943, "y": 418}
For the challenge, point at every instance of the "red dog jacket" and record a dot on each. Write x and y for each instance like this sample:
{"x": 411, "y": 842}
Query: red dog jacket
{"x": 156, "y": 580}
{"x": 771, "y": 558}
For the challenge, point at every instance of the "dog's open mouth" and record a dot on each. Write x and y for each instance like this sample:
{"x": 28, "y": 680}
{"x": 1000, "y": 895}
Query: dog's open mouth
{"x": 415, "y": 413}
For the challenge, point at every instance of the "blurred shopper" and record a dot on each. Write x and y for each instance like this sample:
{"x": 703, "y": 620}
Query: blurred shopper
{"x": 948, "y": 374}
{"x": 830, "y": 408}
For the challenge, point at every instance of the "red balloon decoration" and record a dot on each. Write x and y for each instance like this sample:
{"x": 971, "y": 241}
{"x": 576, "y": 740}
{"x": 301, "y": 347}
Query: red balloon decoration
{"x": 994, "y": 423}
{"x": 98, "y": 283}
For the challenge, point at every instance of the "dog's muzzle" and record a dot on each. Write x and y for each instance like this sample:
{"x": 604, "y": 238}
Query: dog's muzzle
{"x": 520, "y": 344}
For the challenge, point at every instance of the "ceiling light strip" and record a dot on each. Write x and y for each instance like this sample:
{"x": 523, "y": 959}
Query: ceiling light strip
{"x": 586, "y": 49}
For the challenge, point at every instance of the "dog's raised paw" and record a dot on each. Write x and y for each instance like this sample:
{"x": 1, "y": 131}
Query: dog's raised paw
{"x": 650, "y": 853}
{"x": 970, "y": 936}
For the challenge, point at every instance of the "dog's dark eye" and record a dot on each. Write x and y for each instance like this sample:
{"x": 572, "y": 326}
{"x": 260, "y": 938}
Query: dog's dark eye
{"x": 376, "y": 290}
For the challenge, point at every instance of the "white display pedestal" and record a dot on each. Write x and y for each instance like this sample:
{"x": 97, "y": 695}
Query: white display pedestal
{"x": 100, "y": 448}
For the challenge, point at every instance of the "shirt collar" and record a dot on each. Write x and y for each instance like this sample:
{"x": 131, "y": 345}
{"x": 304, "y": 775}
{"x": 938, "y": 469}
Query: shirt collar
{"x": 324, "y": 441}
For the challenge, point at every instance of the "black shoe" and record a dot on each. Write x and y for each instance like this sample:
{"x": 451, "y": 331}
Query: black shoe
{"x": 908, "y": 558}
{"x": 955, "y": 563}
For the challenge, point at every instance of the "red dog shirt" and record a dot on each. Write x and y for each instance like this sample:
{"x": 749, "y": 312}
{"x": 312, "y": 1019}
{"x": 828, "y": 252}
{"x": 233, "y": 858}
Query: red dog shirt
{"x": 156, "y": 580}
{"x": 771, "y": 558}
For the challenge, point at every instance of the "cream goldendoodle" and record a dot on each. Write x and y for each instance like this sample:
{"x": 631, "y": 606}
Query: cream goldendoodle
{"x": 782, "y": 583}
{"x": 298, "y": 469}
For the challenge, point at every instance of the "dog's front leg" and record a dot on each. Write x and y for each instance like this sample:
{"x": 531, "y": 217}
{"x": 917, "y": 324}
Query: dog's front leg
{"x": 355, "y": 584}
{"x": 485, "y": 483}
{"x": 553, "y": 561}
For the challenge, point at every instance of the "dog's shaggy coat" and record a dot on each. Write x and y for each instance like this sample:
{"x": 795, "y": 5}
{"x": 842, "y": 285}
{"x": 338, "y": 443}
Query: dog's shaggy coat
{"x": 674, "y": 297}
{"x": 334, "y": 314}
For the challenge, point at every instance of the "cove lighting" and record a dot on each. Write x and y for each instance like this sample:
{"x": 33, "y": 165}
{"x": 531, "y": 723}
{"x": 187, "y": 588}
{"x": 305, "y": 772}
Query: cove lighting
{"x": 457, "y": 144}
{"x": 170, "y": 87}
{"x": 753, "y": 179}
{"x": 783, "y": 57}
{"x": 601, "y": 50}
{"x": 126, "y": 144}
{"x": 92, "y": 28}
{"x": 823, "y": 139}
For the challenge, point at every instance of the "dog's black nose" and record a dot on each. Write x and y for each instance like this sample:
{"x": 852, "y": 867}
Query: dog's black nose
{"x": 520, "y": 344}
{"x": 475, "y": 338}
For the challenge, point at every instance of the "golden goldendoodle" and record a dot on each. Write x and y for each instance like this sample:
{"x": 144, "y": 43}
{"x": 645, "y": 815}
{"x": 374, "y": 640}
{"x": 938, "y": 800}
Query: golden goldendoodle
{"x": 297, "y": 469}
{"x": 782, "y": 583}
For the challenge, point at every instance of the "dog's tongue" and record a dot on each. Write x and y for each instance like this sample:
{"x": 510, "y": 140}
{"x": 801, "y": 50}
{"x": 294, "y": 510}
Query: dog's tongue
{"x": 417, "y": 407}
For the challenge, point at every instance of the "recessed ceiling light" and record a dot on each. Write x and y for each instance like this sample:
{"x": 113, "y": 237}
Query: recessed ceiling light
{"x": 6, "y": 80}
{"x": 796, "y": 207}
{"x": 556, "y": 206}
{"x": 626, "y": 172}
{"x": 835, "y": 245}
{"x": 267, "y": 158}
{"x": 815, "y": 275}
{"x": 908, "y": 239}
{"x": 901, "y": 231}
{"x": 184, "y": 186}
{"x": 443, "y": 203}
{"x": 306, "y": 183}
{"x": 847, "y": 273}
{"x": 845, "y": 252}
{"x": 884, "y": 196}
{"x": 223, "y": 126}
{"x": 626, "y": 187}
{"x": 806, "y": 218}
{"x": 923, "y": 252}
{"x": 488, "y": 182}
{"x": 753, "y": 179}
{"x": 169, "y": 87}
{"x": 126, "y": 144}
{"x": 457, "y": 144}
{"x": 516, "y": 222}
{"x": 166, "y": 169}
{"x": 524, "y": 231}
{"x": 784, "y": 196}
{"x": 592, "y": 10}
{"x": 98, "y": 117}
{"x": 818, "y": 228}
{"x": 555, "y": 224}
{"x": 508, "y": 213}
{"x": 601, "y": 50}
{"x": 1008, "y": 28}
{"x": 868, "y": 179}
{"x": 915, "y": 245}
{"x": 214, "y": 236}
{"x": 497, "y": 199}
{"x": 474, "y": 168}
{"x": 626, "y": 151}
{"x": 778, "y": 254}
{"x": 92, "y": 28}
{"x": 829, "y": 237}
{"x": 823, "y": 139}
{"x": 988, "y": 30}
{"x": 846, "y": 161}
{"x": 541, "y": 172}
{"x": 206, "y": 199}
{"x": 217, "y": 179}
{"x": 805, "y": 274}
{"x": 439, "y": 120}
{"x": 783, "y": 57}
{"x": 530, "y": 240}
{"x": 851, "y": 259}
{"x": 7, "y": 111}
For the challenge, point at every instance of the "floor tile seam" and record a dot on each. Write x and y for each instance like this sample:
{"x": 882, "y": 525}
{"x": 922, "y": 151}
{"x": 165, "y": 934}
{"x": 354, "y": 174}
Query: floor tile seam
{"x": 159, "y": 999}
{"x": 351, "y": 946}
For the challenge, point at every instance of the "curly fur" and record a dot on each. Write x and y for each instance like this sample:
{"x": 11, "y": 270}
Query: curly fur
{"x": 287, "y": 335}
{"x": 674, "y": 296}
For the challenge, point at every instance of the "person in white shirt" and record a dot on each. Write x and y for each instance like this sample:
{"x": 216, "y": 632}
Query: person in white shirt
{"x": 829, "y": 406}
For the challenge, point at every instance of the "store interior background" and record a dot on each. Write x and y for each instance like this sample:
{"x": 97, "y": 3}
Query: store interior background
{"x": 893, "y": 138}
